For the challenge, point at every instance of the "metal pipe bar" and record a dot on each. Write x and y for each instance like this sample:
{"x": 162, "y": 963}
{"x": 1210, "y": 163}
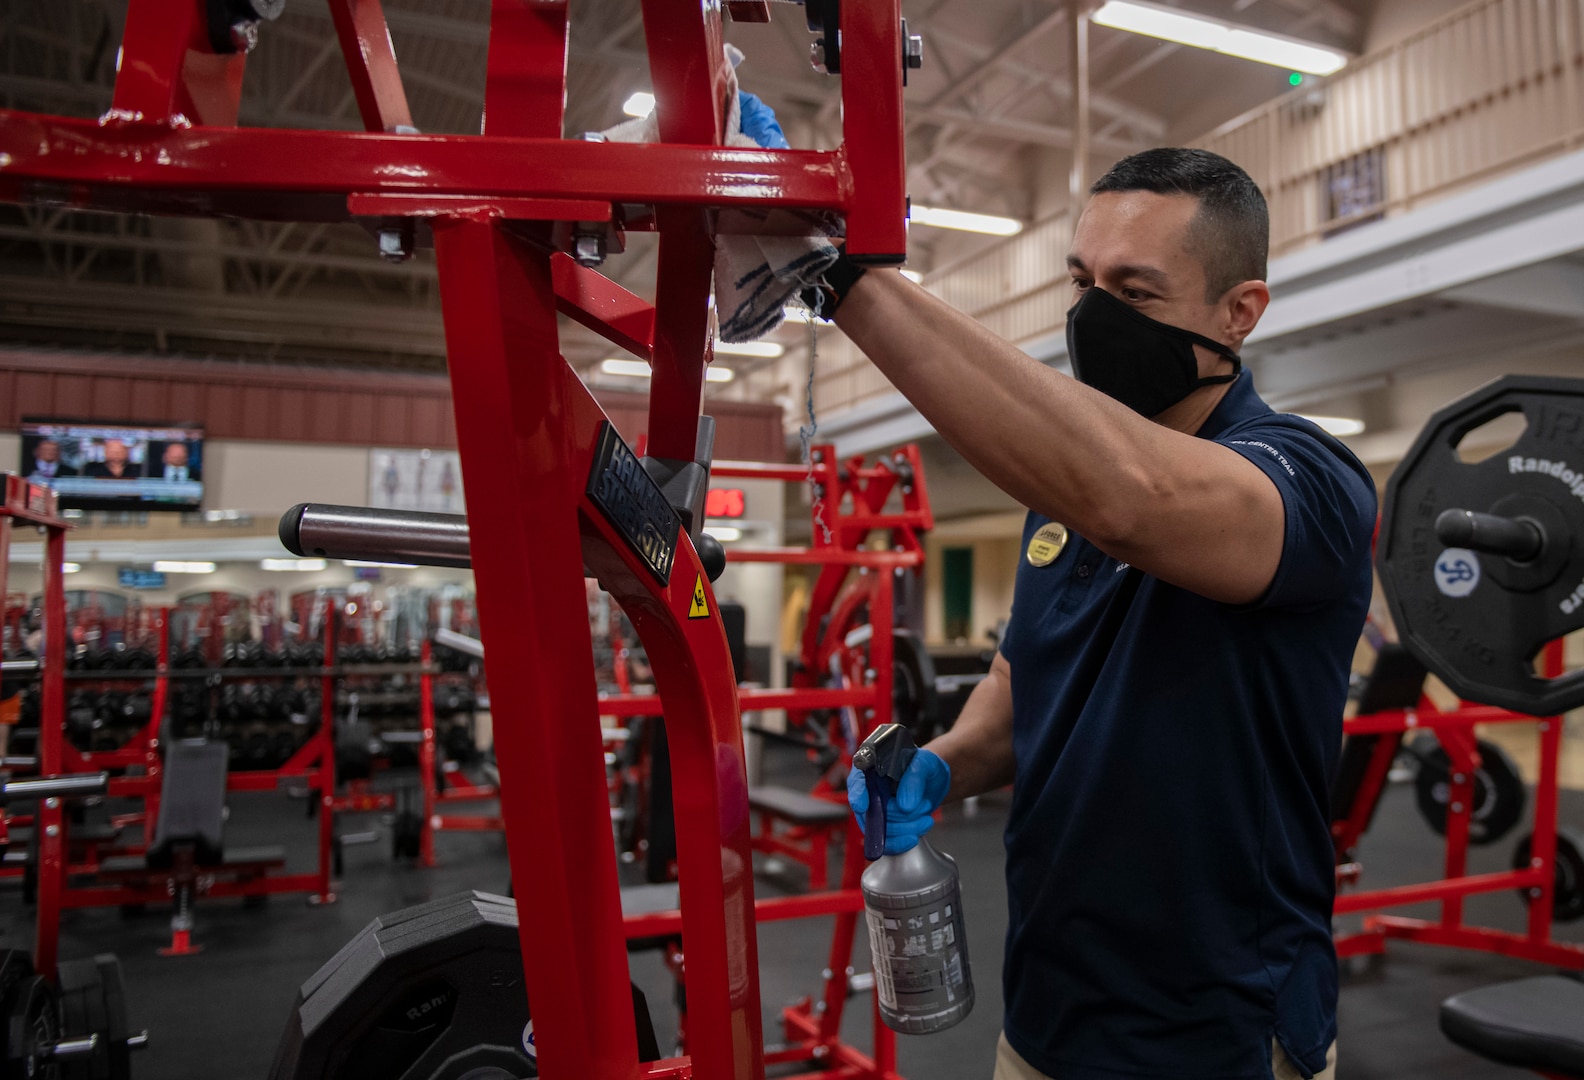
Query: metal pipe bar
{"x": 1517, "y": 538}
{"x": 323, "y": 530}
{"x": 73, "y": 785}
{"x": 307, "y": 175}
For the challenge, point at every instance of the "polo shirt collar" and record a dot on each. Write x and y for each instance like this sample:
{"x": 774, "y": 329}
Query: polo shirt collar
{"x": 1241, "y": 403}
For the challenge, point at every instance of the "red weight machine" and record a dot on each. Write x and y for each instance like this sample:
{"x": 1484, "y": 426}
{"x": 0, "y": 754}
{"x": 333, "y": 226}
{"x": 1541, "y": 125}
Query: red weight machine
{"x": 551, "y": 487}
{"x": 1374, "y": 740}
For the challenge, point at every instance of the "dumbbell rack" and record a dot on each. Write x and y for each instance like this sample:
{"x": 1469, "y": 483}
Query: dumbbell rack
{"x": 528, "y": 429}
{"x": 1454, "y": 728}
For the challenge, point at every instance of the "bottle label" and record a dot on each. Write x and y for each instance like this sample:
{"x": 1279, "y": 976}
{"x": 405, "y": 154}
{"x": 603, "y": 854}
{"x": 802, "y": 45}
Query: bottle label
{"x": 918, "y": 961}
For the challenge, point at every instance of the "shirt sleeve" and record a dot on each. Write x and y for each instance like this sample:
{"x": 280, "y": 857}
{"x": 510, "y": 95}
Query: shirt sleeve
{"x": 1330, "y": 506}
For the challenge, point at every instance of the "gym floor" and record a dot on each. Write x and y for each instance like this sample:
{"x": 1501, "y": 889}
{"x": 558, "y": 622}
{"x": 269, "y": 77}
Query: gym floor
{"x": 220, "y": 1013}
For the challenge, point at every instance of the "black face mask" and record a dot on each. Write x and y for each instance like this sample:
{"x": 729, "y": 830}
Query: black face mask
{"x": 1148, "y": 366}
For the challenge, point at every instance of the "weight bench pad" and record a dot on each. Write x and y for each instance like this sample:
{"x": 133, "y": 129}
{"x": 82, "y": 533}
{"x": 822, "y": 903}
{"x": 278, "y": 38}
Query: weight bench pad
{"x": 1535, "y": 1023}
{"x": 796, "y": 806}
{"x": 192, "y": 803}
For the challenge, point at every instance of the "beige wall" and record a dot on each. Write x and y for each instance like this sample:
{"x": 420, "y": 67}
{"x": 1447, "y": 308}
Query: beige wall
{"x": 995, "y": 540}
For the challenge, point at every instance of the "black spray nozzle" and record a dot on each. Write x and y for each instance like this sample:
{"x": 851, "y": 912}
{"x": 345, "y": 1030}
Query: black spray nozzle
{"x": 883, "y": 758}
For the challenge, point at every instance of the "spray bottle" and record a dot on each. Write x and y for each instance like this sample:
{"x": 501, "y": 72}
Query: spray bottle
{"x": 912, "y": 905}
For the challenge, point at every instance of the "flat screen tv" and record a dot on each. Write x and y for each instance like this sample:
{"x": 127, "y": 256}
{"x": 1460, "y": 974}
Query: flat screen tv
{"x": 110, "y": 465}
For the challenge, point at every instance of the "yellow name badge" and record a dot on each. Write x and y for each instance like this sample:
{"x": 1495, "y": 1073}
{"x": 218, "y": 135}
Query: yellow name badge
{"x": 1047, "y": 544}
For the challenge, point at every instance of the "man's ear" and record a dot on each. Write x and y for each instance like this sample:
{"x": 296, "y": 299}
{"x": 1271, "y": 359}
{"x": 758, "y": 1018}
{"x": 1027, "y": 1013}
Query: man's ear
{"x": 1242, "y": 307}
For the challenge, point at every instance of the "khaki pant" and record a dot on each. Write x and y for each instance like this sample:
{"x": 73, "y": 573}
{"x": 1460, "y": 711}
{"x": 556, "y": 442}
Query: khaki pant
{"x": 1011, "y": 1066}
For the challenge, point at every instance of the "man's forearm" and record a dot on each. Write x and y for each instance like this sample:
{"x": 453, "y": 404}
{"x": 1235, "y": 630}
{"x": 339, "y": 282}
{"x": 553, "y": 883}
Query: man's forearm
{"x": 978, "y": 748}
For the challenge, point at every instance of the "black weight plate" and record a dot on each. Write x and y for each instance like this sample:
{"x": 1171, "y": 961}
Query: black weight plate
{"x": 1567, "y": 897}
{"x": 117, "y": 1025}
{"x": 915, "y": 703}
{"x": 15, "y": 965}
{"x": 1479, "y": 620}
{"x": 1499, "y": 792}
{"x": 32, "y": 1030}
{"x": 82, "y": 1013}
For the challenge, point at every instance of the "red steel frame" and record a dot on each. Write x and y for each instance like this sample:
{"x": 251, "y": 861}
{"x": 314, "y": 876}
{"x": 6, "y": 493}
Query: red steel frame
{"x": 35, "y": 505}
{"x": 1455, "y": 730}
{"x": 527, "y": 426}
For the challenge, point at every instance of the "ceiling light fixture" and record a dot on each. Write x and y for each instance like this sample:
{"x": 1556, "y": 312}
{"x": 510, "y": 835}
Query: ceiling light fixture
{"x": 306, "y": 565}
{"x": 640, "y": 104}
{"x": 386, "y": 565}
{"x": 913, "y": 276}
{"x": 70, "y": 567}
{"x": 966, "y": 221}
{"x": 768, "y": 350}
{"x": 165, "y": 566}
{"x": 637, "y": 369}
{"x": 1336, "y": 425}
{"x": 724, "y": 533}
{"x": 1203, "y": 32}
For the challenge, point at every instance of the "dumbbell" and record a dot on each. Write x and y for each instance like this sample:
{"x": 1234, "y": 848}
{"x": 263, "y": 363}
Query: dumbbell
{"x": 265, "y": 656}
{"x": 189, "y": 658}
{"x": 139, "y": 658}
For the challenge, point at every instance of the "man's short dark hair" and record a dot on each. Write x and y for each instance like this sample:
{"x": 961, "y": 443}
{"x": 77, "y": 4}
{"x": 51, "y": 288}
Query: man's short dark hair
{"x": 1231, "y": 232}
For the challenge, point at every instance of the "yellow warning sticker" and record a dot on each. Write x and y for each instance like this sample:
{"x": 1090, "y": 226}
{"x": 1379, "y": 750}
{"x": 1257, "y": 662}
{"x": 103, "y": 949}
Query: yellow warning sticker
{"x": 700, "y": 606}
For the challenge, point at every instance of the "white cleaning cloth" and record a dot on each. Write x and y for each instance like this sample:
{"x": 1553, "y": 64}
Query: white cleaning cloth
{"x": 755, "y": 276}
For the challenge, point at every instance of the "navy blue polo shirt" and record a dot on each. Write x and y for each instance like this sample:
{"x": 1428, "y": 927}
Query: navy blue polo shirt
{"x": 1169, "y": 861}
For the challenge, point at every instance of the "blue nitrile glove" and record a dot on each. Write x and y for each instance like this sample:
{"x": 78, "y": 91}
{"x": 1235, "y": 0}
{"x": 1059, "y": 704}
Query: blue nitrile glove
{"x": 759, "y": 122}
{"x": 911, "y": 812}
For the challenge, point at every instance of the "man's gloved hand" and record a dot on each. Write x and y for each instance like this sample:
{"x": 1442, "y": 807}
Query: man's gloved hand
{"x": 759, "y": 122}
{"x": 911, "y": 812}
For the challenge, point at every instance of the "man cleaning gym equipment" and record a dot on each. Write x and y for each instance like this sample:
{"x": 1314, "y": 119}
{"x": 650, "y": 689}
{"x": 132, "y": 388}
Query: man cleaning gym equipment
{"x": 1167, "y": 702}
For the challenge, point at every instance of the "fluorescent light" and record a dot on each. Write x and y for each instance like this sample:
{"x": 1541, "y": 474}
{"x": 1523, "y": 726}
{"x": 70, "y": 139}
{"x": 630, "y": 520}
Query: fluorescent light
{"x": 962, "y": 219}
{"x": 164, "y": 566}
{"x": 913, "y": 276}
{"x": 293, "y": 564}
{"x": 724, "y": 533}
{"x": 388, "y": 565}
{"x": 767, "y": 349}
{"x": 1202, "y": 32}
{"x": 70, "y": 567}
{"x": 637, "y": 369}
{"x": 795, "y": 313}
{"x": 640, "y": 104}
{"x": 1336, "y": 425}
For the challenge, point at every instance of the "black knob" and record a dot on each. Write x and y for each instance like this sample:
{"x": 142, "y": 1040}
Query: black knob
{"x": 711, "y": 554}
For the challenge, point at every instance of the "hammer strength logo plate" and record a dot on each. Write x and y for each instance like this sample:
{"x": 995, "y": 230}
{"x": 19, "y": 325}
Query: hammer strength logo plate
{"x": 623, "y": 491}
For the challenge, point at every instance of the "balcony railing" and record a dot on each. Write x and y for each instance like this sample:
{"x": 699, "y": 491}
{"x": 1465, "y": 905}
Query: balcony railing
{"x": 1491, "y": 87}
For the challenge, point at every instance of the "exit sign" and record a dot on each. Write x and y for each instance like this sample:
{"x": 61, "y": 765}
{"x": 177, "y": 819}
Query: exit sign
{"x": 724, "y": 503}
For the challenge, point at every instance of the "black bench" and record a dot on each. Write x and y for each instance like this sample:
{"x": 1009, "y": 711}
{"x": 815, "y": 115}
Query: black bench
{"x": 1535, "y": 1023}
{"x": 813, "y": 822}
{"x": 189, "y": 833}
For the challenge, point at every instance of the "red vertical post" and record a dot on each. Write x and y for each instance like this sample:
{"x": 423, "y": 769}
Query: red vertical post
{"x": 371, "y": 64}
{"x": 426, "y": 757}
{"x": 525, "y": 79}
{"x": 327, "y": 781}
{"x": 687, "y": 62}
{"x": 872, "y": 130}
{"x": 512, "y": 417}
{"x": 167, "y": 71}
{"x": 48, "y": 821}
{"x": 1542, "y": 845}
{"x": 1462, "y": 761}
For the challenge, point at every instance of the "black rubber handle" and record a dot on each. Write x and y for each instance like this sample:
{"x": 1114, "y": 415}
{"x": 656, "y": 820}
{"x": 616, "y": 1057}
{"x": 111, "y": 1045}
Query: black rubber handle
{"x": 1517, "y": 538}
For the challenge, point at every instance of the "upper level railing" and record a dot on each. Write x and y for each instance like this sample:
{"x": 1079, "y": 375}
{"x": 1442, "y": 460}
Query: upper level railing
{"x": 1490, "y": 87}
